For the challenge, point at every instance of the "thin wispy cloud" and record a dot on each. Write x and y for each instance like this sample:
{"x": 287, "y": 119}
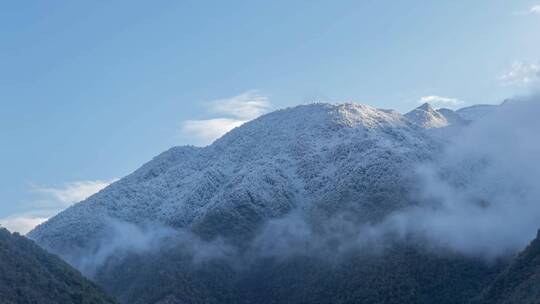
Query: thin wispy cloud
{"x": 51, "y": 201}
{"x": 233, "y": 112}
{"x": 440, "y": 101}
{"x": 246, "y": 106}
{"x": 521, "y": 73}
{"x": 535, "y": 10}
{"x": 208, "y": 130}
{"x": 73, "y": 192}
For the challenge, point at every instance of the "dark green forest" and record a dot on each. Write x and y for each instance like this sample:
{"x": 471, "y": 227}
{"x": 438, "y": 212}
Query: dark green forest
{"x": 30, "y": 275}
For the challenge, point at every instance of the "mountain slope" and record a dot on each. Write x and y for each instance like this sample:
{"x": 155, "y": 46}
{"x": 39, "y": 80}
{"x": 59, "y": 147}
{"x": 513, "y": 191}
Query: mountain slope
{"x": 520, "y": 282}
{"x": 475, "y": 112}
{"x": 452, "y": 117}
{"x": 427, "y": 117}
{"x": 28, "y": 274}
{"x": 319, "y": 158}
{"x": 269, "y": 213}
{"x": 403, "y": 274}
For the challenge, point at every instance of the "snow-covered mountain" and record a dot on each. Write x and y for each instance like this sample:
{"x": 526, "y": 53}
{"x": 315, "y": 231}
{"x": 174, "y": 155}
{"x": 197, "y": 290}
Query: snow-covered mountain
{"x": 344, "y": 163}
{"x": 475, "y": 112}
{"x": 312, "y": 157}
{"x": 316, "y": 158}
{"x": 453, "y": 118}
{"x": 427, "y": 117}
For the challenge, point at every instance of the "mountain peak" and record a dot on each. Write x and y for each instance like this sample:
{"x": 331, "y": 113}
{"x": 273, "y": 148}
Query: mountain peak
{"x": 426, "y": 107}
{"x": 427, "y": 117}
{"x": 346, "y": 114}
{"x": 311, "y": 122}
{"x": 280, "y": 161}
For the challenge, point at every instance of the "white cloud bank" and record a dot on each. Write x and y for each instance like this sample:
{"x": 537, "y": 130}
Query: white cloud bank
{"x": 521, "y": 73}
{"x": 235, "y": 111}
{"x": 50, "y": 202}
{"x": 483, "y": 189}
{"x": 441, "y": 102}
{"x": 478, "y": 198}
{"x": 535, "y": 10}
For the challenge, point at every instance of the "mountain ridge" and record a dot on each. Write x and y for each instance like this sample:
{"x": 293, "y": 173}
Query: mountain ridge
{"x": 307, "y": 173}
{"x": 304, "y": 148}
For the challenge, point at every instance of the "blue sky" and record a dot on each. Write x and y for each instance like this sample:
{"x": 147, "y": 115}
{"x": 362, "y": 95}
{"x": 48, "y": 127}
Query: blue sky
{"x": 91, "y": 90}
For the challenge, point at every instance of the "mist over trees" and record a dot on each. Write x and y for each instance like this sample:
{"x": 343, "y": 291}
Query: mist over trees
{"x": 28, "y": 274}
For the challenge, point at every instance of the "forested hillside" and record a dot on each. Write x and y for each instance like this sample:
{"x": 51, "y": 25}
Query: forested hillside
{"x": 28, "y": 274}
